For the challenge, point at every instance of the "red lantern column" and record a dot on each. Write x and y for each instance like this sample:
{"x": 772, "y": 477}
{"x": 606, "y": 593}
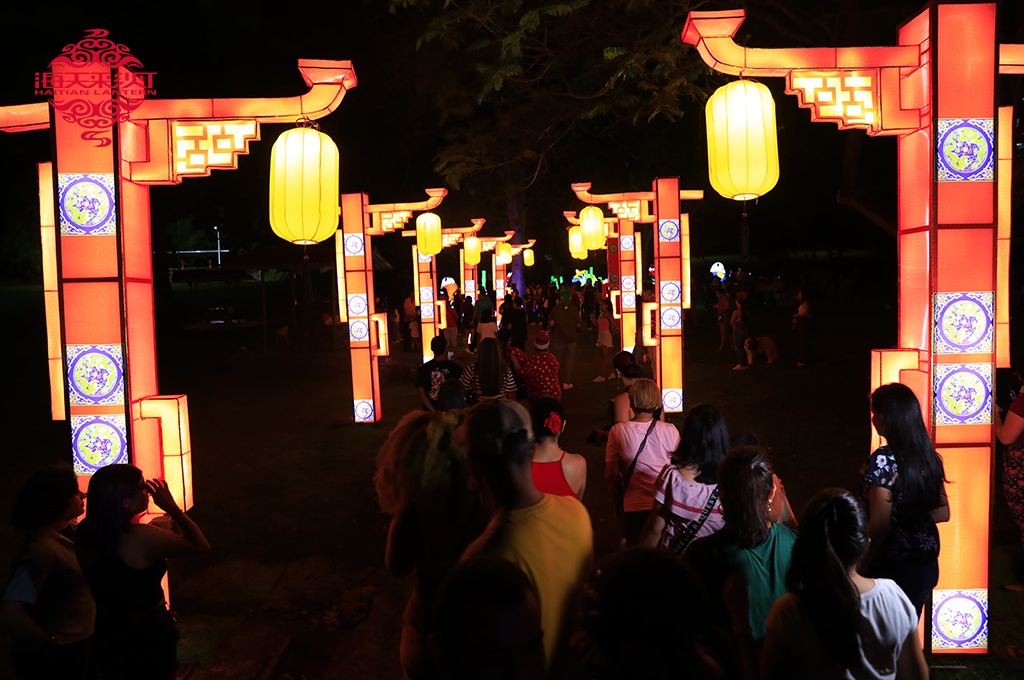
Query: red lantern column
{"x": 468, "y": 275}
{"x": 962, "y": 291}
{"x": 425, "y": 285}
{"x": 630, "y": 282}
{"x": 355, "y": 261}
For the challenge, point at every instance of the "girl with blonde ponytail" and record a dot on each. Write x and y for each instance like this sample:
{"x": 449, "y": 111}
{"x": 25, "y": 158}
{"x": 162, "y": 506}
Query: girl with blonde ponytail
{"x": 835, "y": 623}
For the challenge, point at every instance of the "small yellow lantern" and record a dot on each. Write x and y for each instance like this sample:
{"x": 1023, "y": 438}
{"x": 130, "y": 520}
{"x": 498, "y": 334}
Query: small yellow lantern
{"x": 304, "y": 186}
{"x": 743, "y": 147}
{"x": 576, "y": 245}
{"x": 528, "y": 257}
{"x": 428, "y": 233}
{"x": 504, "y": 253}
{"x": 471, "y": 247}
{"x": 592, "y": 223}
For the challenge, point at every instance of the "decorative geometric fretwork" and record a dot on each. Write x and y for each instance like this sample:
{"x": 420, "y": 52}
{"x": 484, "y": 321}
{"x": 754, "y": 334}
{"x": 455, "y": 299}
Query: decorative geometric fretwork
{"x": 199, "y": 146}
{"x": 391, "y": 221}
{"x": 629, "y": 210}
{"x": 847, "y": 98}
{"x": 450, "y": 239}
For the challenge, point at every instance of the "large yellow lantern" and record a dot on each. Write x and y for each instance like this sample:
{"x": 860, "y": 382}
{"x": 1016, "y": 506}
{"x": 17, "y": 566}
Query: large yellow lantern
{"x": 504, "y": 253}
{"x": 471, "y": 248}
{"x": 528, "y": 257}
{"x": 428, "y": 233}
{"x": 577, "y": 248}
{"x": 592, "y": 223}
{"x": 304, "y": 186}
{"x": 743, "y": 148}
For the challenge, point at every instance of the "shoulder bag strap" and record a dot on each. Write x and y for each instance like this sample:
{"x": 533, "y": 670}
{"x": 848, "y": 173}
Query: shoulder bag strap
{"x": 632, "y": 466}
{"x": 693, "y": 527}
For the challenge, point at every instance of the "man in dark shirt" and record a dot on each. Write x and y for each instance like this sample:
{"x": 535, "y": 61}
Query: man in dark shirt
{"x": 565, "y": 319}
{"x": 433, "y": 374}
{"x": 514, "y": 320}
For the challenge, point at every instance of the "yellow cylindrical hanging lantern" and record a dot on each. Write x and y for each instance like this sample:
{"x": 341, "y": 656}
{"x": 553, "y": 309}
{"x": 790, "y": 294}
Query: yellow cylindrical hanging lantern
{"x": 528, "y": 257}
{"x": 576, "y": 245}
{"x": 428, "y": 233}
{"x": 471, "y": 247}
{"x": 504, "y": 253}
{"x": 304, "y": 186}
{"x": 592, "y": 224}
{"x": 743, "y": 147}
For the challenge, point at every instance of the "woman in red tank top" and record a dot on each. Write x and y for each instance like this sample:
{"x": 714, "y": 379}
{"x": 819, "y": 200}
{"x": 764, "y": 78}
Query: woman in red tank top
{"x": 554, "y": 471}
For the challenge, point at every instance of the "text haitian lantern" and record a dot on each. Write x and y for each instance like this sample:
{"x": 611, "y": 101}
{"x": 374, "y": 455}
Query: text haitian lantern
{"x": 304, "y": 186}
{"x": 592, "y": 223}
{"x": 504, "y": 252}
{"x": 743, "y": 149}
{"x": 528, "y": 257}
{"x": 428, "y": 233}
{"x": 577, "y": 248}
{"x": 471, "y": 247}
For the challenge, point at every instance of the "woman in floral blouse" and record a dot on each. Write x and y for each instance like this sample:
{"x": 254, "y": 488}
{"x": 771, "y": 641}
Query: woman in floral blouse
{"x": 904, "y": 482}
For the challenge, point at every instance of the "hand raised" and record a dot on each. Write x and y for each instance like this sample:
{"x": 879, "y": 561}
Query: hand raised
{"x": 162, "y": 496}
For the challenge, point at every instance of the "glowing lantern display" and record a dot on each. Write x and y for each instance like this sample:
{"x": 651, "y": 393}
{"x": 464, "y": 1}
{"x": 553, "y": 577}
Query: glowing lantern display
{"x": 471, "y": 248}
{"x": 743, "y": 148}
{"x": 428, "y": 234}
{"x": 528, "y": 257}
{"x": 577, "y": 248}
{"x": 304, "y": 186}
{"x": 592, "y": 224}
{"x": 718, "y": 269}
{"x": 504, "y": 252}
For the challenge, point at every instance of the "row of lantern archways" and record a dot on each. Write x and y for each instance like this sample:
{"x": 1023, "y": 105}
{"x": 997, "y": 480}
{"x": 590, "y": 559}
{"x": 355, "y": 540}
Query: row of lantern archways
{"x": 743, "y": 164}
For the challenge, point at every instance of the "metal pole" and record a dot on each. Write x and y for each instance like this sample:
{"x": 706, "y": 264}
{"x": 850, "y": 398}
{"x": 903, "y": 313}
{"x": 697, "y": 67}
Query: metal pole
{"x": 217, "y": 229}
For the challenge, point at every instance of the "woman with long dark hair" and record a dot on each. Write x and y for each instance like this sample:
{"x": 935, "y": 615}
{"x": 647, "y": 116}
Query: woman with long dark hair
{"x": 743, "y": 566}
{"x": 906, "y": 496}
{"x": 489, "y": 377}
{"x": 686, "y": 503}
{"x": 124, "y": 563}
{"x": 836, "y": 623}
{"x": 46, "y": 606}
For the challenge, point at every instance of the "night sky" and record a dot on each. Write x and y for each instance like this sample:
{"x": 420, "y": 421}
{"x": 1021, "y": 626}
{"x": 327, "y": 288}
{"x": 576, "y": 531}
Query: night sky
{"x": 387, "y": 132}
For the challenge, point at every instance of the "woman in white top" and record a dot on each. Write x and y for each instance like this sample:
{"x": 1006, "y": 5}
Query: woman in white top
{"x": 835, "y": 623}
{"x": 632, "y": 485}
{"x": 685, "y": 488}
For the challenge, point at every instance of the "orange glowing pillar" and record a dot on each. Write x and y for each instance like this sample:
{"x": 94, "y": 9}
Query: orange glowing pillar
{"x": 91, "y": 284}
{"x": 51, "y": 293}
{"x": 1004, "y": 173}
{"x": 630, "y": 281}
{"x": 672, "y": 283}
{"x": 963, "y": 284}
{"x": 425, "y": 287}
{"x": 355, "y": 258}
{"x": 498, "y": 271}
{"x": 468, "y": 276}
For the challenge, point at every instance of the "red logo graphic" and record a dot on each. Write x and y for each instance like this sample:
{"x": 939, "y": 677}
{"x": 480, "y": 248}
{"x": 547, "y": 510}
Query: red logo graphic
{"x": 78, "y": 95}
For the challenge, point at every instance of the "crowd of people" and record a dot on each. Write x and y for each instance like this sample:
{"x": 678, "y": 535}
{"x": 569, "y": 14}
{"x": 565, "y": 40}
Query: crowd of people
{"x": 715, "y": 578}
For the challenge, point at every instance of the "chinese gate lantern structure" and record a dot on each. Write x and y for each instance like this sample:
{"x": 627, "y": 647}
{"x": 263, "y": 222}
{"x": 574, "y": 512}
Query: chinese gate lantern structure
{"x": 936, "y": 92}
{"x": 367, "y": 328}
{"x": 110, "y": 145}
{"x": 743, "y": 148}
{"x": 661, "y": 322}
{"x": 433, "y": 311}
{"x": 304, "y": 186}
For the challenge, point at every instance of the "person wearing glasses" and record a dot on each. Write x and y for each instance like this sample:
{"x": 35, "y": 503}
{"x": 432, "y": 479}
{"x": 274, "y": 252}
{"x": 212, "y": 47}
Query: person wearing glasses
{"x": 46, "y": 607}
{"x": 124, "y": 562}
